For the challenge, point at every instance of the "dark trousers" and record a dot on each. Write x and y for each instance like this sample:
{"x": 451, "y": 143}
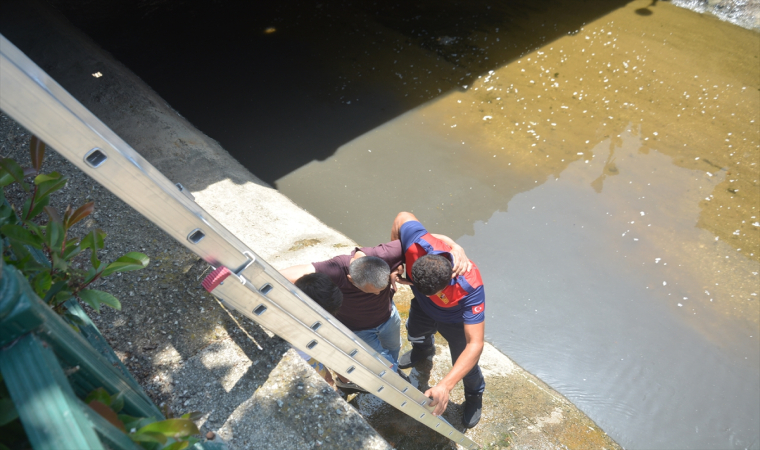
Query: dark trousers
{"x": 420, "y": 330}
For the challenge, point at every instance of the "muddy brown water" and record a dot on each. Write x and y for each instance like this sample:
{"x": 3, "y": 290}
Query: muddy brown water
{"x": 598, "y": 160}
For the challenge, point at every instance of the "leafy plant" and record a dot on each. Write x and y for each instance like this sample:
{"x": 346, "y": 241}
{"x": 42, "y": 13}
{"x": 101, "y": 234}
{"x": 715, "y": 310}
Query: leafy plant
{"x": 169, "y": 434}
{"x": 44, "y": 250}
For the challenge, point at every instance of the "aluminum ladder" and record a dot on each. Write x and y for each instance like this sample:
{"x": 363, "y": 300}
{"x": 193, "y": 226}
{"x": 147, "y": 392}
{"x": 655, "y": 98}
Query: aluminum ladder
{"x": 253, "y": 287}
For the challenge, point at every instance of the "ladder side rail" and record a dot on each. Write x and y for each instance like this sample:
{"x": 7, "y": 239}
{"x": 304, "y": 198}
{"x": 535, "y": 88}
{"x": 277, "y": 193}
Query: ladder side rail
{"x": 289, "y": 328}
{"x": 347, "y": 343}
{"x": 293, "y": 301}
{"x": 261, "y": 274}
{"x": 340, "y": 337}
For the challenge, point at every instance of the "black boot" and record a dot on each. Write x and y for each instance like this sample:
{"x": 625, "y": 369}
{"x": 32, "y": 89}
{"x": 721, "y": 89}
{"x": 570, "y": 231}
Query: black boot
{"x": 473, "y": 406}
{"x": 414, "y": 356}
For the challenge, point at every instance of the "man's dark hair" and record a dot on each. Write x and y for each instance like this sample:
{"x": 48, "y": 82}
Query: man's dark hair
{"x": 431, "y": 273}
{"x": 322, "y": 290}
{"x": 370, "y": 270}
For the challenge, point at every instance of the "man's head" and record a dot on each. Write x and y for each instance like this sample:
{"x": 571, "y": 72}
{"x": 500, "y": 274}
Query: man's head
{"x": 369, "y": 273}
{"x": 431, "y": 274}
{"x": 322, "y": 290}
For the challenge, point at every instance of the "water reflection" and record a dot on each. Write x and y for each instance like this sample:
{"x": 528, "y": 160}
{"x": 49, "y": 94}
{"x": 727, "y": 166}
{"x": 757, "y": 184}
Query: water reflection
{"x": 606, "y": 298}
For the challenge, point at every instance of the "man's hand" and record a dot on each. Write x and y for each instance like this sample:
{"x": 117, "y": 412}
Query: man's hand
{"x": 440, "y": 398}
{"x": 474, "y": 335}
{"x": 462, "y": 264}
{"x": 397, "y": 276}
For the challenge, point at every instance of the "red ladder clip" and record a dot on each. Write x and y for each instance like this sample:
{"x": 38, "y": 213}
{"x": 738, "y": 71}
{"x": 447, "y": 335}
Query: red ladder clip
{"x": 215, "y": 278}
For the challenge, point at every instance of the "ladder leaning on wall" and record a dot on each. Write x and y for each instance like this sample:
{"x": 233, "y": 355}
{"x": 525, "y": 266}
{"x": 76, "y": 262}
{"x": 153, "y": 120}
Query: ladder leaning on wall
{"x": 242, "y": 280}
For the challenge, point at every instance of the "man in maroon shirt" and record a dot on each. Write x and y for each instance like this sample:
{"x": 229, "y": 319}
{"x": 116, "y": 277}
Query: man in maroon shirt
{"x": 364, "y": 278}
{"x": 367, "y": 278}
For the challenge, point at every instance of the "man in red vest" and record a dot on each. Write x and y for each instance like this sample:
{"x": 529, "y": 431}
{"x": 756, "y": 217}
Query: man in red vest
{"x": 449, "y": 303}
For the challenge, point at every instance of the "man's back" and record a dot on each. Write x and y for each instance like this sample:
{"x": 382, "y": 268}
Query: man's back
{"x": 362, "y": 310}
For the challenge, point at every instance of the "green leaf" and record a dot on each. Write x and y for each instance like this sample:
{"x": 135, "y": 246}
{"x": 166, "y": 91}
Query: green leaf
{"x": 95, "y": 298}
{"x": 8, "y": 411}
{"x": 12, "y": 168}
{"x": 22, "y": 235}
{"x": 117, "y": 402}
{"x": 38, "y": 257}
{"x": 61, "y": 297}
{"x": 59, "y": 263}
{"x": 39, "y": 204}
{"x": 171, "y": 428}
{"x": 178, "y": 445}
{"x": 5, "y": 178}
{"x": 37, "y": 152}
{"x": 54, "y": 235}
{"x": 7, "y": 213}
{"x": 20, "y": 252}
{"x": 43, "y": 177}
{"x": 72, "y": 249}
{"x": 127, "y": 263}
{"x": 54, "y": 289}
{"x": 148, "y": 437}
{"x": 92, "y": 273}
{"x": 51, "y": 183}
{"x": 79, "y": 214}
{"x": 94, "y": 240}
{"x": 193, "y": 415}
{"x": 100, "y": 395}
{"x": 42, "y": 282}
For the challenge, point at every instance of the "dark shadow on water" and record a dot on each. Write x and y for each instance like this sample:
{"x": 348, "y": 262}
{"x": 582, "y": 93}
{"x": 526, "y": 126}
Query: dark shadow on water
{"x": 280, "y": 84}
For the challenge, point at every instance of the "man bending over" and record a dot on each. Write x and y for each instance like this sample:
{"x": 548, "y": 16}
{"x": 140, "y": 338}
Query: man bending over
{"x": 364, "y": 279}
{"x": 452, "y": 305}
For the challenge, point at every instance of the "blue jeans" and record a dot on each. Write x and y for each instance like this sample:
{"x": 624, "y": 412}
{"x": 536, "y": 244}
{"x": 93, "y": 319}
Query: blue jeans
{"x": 386, "y": 338}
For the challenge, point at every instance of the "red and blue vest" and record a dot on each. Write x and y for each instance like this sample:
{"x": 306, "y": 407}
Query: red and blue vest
{"x": 463, "y": 300}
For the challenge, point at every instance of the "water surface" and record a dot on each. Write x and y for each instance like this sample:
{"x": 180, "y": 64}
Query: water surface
{"x": 607, "y": 185}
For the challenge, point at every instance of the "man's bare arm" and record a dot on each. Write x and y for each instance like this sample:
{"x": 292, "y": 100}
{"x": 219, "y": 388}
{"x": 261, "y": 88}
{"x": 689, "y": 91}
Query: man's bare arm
{"x": 401, "y": 218}
{"x": 293, "y": 273}
{"x": 474, "y": 334}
